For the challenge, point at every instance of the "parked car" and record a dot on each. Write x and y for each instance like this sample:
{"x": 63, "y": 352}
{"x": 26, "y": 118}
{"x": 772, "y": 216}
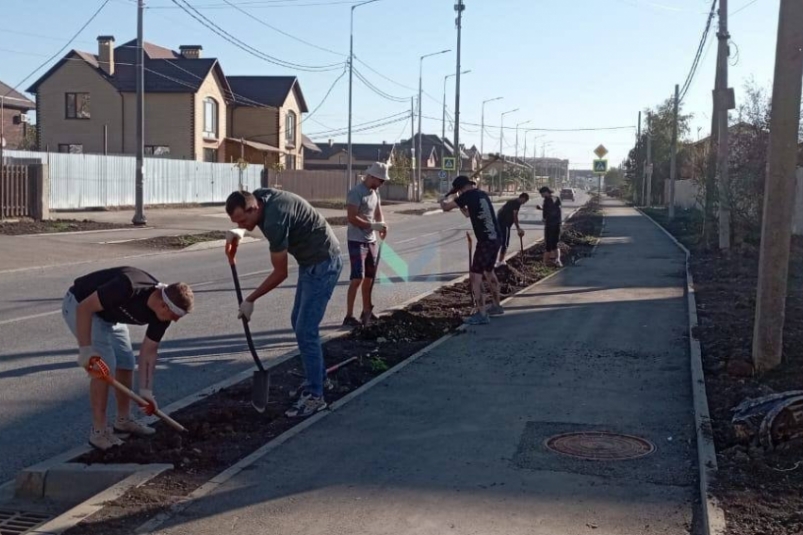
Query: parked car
{"x": 567, "y": 194}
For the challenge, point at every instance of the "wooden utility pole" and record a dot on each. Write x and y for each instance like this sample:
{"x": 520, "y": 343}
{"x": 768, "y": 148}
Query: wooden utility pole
{"x": 648, "y": 170}
{"x": 724, "y": 104}
{"x": 673, "y": 162}
{"x": 779, "y": 189}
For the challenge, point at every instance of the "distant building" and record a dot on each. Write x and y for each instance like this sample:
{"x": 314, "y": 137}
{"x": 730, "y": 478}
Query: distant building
{"x": 15, "y": 107}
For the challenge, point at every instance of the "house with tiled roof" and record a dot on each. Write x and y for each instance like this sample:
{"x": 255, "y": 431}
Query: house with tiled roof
{"x": 86, "y": 103}
{"x": 14, "y": 107}
{"x": 330, "y": 156}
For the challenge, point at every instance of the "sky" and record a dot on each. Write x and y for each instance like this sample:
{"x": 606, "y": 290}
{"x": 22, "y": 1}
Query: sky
{"x": 584, "y": 64}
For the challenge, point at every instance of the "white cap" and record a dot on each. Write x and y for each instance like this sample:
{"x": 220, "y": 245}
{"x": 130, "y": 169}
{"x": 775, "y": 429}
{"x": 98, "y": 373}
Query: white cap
{"x": 378, "y": 170}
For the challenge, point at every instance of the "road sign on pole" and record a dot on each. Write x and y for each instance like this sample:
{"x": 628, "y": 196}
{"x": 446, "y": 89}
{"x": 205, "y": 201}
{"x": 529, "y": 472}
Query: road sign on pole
{"x": 449, "y": 164}
{"x": 442, "y": 174}
{"x": 600, "y": 167}
{"x": 601, "y": 151}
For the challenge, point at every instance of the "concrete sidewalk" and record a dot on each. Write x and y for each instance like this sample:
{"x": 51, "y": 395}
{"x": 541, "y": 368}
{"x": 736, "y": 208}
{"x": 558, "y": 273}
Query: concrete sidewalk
{"x": 455, "y": 442}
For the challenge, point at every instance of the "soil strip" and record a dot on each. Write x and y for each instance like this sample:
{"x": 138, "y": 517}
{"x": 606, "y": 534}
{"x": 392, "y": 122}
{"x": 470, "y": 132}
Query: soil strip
{"x": 55, "y": 226}
{"x": 224, "y": 428}
{"x": 759, "y": 491}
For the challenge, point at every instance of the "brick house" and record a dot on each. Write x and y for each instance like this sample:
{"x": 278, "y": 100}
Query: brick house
{"x": 86, "y": 103}
{"x": 13, "y": 114}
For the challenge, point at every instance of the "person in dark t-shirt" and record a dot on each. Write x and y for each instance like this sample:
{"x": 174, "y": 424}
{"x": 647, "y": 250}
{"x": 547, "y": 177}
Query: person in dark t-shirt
{"x": 293, "y": 228}
{"x": 98, "y": 309}
{"x": 552, "y": 221}
{"x": 476, "y": 205}
{"x": 507, "y": 216}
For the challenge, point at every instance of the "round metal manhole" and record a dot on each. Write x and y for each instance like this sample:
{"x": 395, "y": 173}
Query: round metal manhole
{"x": 600, "y": 446}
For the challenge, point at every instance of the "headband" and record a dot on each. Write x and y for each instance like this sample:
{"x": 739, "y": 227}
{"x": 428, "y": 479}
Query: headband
{"x": 178, "y": 311}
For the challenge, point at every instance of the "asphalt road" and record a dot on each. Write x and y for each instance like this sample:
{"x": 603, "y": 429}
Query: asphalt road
{"x": 43, "y": 394}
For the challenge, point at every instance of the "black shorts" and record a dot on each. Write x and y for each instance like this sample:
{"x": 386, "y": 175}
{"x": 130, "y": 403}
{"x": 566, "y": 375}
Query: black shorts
{"x": 363, "y": 258}
{"x": 484, "y": 256}
{"x": 552, "y": 237}
{"x": 505, "y": 238}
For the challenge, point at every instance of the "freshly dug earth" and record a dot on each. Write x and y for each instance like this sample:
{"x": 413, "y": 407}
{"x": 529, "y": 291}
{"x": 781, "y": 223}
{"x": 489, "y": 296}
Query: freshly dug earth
{"x": 176, "y": 242}
{"x": 224, "y": 428}
{"x": 761, "y": 493}
{"x": 29, "y": 226}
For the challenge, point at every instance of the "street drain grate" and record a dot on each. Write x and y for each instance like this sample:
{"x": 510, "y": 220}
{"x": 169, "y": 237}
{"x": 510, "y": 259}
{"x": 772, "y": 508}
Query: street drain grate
{"x": 19, "y": 522}
{"x": 600, "y": 446}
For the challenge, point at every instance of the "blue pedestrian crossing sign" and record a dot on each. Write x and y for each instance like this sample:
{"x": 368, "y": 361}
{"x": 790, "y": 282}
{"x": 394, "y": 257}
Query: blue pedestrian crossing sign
{"x": 449, "y": 164}
{"x": 600, "y": 167}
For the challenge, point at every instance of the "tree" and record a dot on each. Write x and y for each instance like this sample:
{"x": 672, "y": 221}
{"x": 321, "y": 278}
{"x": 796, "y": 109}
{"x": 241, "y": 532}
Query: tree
{"x": 615, "y": 177}
{"x": 399, "y": 168}
{"x": 661, "y": 130}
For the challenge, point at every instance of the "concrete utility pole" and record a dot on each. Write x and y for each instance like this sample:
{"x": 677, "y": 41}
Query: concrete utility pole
{"x": 639, "y": 170}
{"x": 779, "y": 189}
{"x": 648, "y": 172}
{"x": 413, "y": 155}
{"x": 139, "y": 212}
{"x": 443, "y": 119}
{"x": 711, "y": 168}
{"x": 420, "y": 135}
{"x": 723, "y": 98}
{"x": 673, "y": 162}
{"x": 349, "y": 169}
{"x": 459, "y": 7}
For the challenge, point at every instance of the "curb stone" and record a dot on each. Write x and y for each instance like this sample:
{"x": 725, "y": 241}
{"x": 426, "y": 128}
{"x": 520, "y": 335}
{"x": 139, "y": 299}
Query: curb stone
{"x": 713, "y": 514}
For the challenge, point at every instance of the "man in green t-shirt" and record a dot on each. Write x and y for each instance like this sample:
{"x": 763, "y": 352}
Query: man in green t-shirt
{"x": 293, "y": 227}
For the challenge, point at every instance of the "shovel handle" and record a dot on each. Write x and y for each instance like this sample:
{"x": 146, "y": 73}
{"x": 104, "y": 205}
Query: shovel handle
{"x": 246, "y": 328}
{"x": 101, "y": 371}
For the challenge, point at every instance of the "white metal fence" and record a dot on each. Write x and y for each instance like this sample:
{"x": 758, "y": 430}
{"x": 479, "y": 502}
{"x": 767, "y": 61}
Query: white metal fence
{"x": 80, "y": 181}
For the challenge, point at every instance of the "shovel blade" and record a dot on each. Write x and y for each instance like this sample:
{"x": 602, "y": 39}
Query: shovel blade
{"x": 259, "y": 390}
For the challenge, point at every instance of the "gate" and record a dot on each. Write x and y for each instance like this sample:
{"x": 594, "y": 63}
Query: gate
{"x": 14, "y": 191}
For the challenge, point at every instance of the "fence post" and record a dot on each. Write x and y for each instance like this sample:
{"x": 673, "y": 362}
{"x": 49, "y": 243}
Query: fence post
{"x": 39, "y": 184}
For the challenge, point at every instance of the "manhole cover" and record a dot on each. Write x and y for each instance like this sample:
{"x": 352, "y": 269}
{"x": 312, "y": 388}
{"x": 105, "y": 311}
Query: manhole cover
{"x": 18, "y": 522}
{"x": 600, "y": 446}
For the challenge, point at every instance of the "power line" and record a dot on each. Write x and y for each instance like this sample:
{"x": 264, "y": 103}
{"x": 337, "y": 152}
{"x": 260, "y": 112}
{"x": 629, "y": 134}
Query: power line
{"x": 263, "y": 23}
{"x": 700, "y": 49}
{"x": 309, "y": 116}
{"x": 595, "y": 129}
{"x": 262, "y": 5}
{"x": 202, "y": 19}
{"x": 68, "y": 43}
{"x": 376, "y": 90}
{"x": 383, "y": 121}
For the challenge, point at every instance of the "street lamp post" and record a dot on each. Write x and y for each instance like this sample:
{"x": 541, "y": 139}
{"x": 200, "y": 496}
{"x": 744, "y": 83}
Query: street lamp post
{"x": 517, "y": 138}
{"x": 443, "y": 120}
{"x": 351, "y": 79}
{"x": 482, "y": 126}
{"x": 501, "y": 138}
{"x": 420, "y": 91}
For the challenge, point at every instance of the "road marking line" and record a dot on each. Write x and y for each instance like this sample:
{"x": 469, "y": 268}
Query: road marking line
{"x": 31, "y": 317}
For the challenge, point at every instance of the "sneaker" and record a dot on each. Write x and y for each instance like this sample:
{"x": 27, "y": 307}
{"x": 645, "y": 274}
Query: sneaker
{"x": 104, "y": 439}
{"x": 351, "y": 321}
{"x": 127, "y": 425}
{"x": 368, "y": 318}
{"x": 501, "y": 264}
{"x": 297, "y": 391}
{"x": 558, "y": 263}
{"x": 496, "y": 310}
{"x": 307, "y": 405}
{"x": 478, "y": 318}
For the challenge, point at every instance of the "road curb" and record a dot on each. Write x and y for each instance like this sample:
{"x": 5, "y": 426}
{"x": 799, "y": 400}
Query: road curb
{"x": 156, "y": 522}
{"x": 713, "y": 514}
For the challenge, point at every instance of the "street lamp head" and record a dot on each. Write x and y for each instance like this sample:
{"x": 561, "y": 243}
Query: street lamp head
{"x": 510, "y": 111}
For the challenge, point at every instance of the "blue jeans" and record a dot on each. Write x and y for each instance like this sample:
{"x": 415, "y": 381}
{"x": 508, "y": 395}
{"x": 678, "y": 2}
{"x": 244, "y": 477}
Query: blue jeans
{"x": 110, "y": 340}
{"x": 316, "y": 284}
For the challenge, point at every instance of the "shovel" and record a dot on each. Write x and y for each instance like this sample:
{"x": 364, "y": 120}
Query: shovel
{"x": 99, "y": 367}
{"x": 366, "y": 317}
{"x": 521, "y": 241}
{"x": 261, "y": 379}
